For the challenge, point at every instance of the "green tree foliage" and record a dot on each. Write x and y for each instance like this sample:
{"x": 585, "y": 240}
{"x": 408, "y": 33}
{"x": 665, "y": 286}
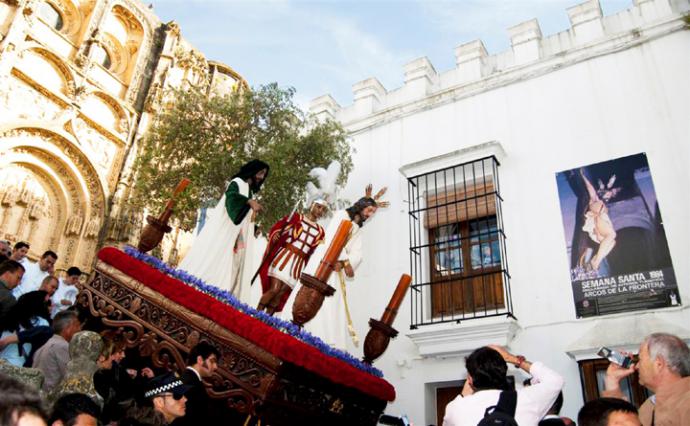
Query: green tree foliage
{"x": 207, "y": 139}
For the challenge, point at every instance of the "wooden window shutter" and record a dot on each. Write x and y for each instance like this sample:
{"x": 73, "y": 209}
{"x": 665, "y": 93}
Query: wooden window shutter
{"x": 460, "y": 204}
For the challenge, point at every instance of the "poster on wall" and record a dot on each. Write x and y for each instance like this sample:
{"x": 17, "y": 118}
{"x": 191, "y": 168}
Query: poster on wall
{"x": 618, "y": 253}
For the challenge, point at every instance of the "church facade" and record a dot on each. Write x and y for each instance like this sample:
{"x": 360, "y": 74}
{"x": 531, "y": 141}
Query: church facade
{"x": 486, "y": 166}
{"x": 80, "y": 83}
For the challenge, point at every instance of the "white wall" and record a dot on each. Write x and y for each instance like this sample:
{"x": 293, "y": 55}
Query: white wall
{"x": 610, "y": 105}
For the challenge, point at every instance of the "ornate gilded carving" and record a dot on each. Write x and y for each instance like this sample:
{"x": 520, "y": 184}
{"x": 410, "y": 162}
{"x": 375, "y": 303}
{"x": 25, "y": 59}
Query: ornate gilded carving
{"x": 335, "y": 407}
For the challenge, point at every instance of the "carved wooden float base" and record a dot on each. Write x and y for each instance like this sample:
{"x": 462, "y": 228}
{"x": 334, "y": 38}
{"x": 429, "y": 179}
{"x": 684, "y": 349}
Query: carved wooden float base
{"x": 249, "y": 381}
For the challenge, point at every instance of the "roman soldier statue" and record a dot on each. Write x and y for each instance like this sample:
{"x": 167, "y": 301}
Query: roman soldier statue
{"x": 291, "y": 242}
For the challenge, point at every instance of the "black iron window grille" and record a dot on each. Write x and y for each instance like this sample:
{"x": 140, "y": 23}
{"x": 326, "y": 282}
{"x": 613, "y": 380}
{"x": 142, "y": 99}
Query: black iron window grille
{"x": 457, "y": 245}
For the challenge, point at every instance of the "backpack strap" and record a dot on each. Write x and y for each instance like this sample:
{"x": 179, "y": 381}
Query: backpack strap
{"x": 507, "y": 402}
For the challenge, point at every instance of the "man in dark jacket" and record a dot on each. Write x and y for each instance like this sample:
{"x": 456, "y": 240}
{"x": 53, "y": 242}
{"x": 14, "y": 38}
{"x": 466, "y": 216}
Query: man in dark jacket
{"x": 201, "y": 363}
{"x": 11, "y": 273}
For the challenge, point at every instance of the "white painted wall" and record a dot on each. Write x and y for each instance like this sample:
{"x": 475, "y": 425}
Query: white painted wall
{"x": 610, "y": 98}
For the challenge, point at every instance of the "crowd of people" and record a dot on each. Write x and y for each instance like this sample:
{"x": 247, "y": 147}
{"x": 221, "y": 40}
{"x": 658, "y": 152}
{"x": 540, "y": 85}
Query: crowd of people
{"x": 39, "y": 323}
{"x": 488, "y": 397}
{"x": 31, "y": 297}
{"x": 124, "y": 396}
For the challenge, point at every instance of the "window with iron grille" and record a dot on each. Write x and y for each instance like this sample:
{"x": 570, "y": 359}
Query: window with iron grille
{"x": 457, "y": 244}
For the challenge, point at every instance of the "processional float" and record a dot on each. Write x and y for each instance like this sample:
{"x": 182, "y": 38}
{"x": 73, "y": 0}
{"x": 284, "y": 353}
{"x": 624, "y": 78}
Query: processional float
{"x": 268, "y": 372}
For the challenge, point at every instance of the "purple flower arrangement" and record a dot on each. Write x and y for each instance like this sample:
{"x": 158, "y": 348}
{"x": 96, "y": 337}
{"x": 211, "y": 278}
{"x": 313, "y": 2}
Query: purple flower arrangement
{"x": 227, "y": 298}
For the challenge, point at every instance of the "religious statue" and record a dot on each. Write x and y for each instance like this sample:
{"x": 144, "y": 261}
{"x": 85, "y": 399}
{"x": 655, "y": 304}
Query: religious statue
{"x": 333, "y": 321}
{"x": 217, "y": 255}
{"x": 293, "y": 239}
{"x": 291, "y": 242}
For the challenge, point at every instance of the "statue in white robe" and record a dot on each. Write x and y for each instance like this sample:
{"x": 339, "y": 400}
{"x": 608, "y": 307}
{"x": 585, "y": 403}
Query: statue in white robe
{"x": 218, "y": 254}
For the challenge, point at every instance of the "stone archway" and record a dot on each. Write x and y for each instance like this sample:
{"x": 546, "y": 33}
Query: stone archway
{"x": 58, "y": 181}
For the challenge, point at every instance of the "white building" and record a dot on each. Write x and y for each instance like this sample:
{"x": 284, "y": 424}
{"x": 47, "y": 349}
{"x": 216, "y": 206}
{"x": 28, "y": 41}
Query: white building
{"x": 608, "y": 87}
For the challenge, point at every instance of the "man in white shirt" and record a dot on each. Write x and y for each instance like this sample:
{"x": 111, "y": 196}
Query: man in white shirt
{"x": 35, "y": 273}
{"x": 66, "y": 294}
{"x": 486, "y": 378}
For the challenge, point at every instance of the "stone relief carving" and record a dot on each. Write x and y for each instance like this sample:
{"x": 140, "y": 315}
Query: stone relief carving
{"x": 27, "y": 6}
{"x": 73, "y": 226}
{"x": 155, "y": 98}
{"x": 23, "y": 221}
{"x": 92, "y": 228}
{"x": 26, "y": 195}
{"x": 101, "y": 150}
{"x": 11, "y": 195}
{"x": 79, "y": 159}
{"x": 122, "y": 126}
{"x": 145, "y": 45}
{"x": 71, "y": 18}
{"x": 42, "y": 219}
{"x": 23, "y": 102}
{"x": 37, "y": 208}
{"x": 173, "y": 28}
{"x": 194, "y": 62}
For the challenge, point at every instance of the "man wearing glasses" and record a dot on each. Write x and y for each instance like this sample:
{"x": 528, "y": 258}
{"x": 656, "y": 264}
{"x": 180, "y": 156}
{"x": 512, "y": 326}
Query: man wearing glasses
{"x": 166, "y": 393}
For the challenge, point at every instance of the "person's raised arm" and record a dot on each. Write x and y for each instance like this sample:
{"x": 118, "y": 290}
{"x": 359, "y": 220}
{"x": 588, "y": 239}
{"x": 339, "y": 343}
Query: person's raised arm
{"x": 614, "y": 375}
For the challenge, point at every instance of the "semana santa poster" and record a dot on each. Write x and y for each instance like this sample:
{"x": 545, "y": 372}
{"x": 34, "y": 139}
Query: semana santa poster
{"x": 617, "y": 249}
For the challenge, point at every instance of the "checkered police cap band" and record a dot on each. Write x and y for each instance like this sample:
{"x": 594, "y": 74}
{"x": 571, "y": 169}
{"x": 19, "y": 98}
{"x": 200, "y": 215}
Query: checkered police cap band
{"x": 163, "y": 388}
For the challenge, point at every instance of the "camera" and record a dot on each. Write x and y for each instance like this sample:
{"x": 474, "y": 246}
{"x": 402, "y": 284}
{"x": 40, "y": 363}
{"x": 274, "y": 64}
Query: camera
{"x": 615, "y": 357}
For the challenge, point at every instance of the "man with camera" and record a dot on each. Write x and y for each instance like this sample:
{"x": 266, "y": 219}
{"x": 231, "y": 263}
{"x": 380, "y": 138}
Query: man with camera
{"x": 663, "y": 368}
{"x": 487, "y": 382}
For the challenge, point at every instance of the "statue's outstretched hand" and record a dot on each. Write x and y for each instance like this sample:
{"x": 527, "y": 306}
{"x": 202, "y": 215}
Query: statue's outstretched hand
{"x": 254, "y": 205}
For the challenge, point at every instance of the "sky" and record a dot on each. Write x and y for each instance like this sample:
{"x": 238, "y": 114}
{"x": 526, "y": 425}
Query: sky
{"x": 324, "y": 47}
